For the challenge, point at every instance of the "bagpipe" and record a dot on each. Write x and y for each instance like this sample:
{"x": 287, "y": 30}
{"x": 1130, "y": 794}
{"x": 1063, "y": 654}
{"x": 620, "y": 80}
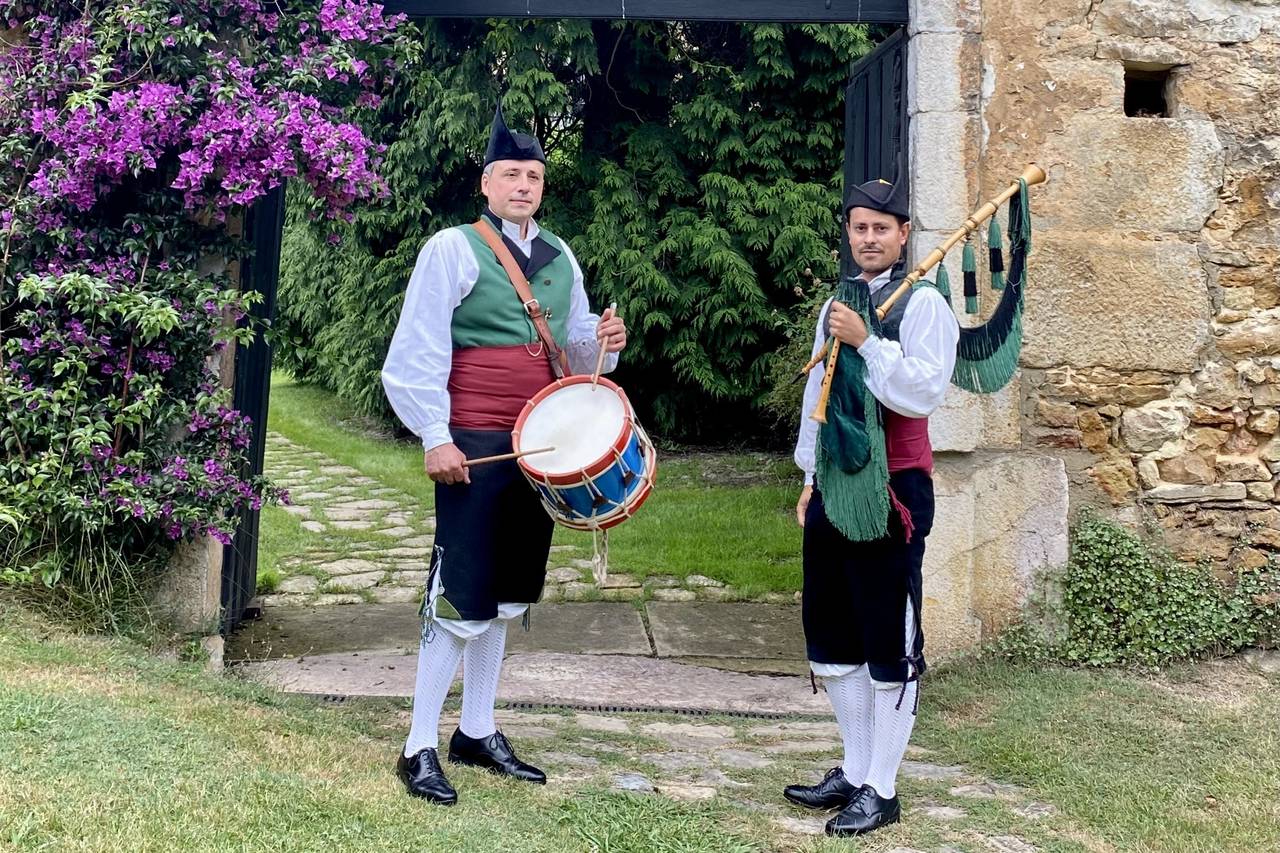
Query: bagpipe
{"x": 851, "y": 467}
{"x": 987, "y": 354}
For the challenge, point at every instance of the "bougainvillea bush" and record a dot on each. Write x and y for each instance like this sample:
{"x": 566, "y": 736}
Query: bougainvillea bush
{"x": 134, "y": 134}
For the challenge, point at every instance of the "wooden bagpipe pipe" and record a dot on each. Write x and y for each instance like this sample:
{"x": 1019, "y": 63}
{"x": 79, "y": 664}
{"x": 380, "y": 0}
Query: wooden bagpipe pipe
{"x": 987, "y": 355}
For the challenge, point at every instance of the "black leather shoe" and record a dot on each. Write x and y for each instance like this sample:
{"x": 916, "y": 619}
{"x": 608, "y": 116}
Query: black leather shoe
{"x": 422, "y": 777}
{"x": 493, "y": 753}
{"x": 867, "y": 811}
{"x": 833, "y": 792}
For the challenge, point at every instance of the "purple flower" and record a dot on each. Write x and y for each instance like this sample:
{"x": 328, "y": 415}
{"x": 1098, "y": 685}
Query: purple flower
{"x": 176, "y": 468}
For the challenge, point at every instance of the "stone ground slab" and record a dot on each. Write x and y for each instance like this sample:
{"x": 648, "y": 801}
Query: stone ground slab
{"x": 739, "y": 630}
{"x": 290, "y": 632}
{"x": 594, "y": 628}
{"x": 587, "y": 681}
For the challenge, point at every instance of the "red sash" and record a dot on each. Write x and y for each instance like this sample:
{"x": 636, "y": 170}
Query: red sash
{"x": 907, "y": 442}
{"x": 488, "y": 386}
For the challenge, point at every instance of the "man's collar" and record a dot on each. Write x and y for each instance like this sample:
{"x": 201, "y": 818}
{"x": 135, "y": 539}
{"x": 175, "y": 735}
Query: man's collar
{"x": 880, "y": 281}
{"x": 511, "y": 229}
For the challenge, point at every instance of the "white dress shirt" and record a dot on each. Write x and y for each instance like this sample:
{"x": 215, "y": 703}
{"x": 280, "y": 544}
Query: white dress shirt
{"x": 415, "y": 375}
{"x": 910, "y": 377}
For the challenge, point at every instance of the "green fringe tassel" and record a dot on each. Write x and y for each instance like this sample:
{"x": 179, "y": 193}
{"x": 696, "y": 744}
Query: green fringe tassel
{"x": 987, "y": 373}
{"x": 994, "y": 244}
{"x": 969, "y": 266}
{"x": 854, "y": 496}
{"x": 942, "y": 281}
{"x": 987, "y": 355}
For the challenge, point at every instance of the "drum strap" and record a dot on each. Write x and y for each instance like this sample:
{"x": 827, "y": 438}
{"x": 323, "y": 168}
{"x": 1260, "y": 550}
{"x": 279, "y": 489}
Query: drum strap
{"x": 559, "y": 361}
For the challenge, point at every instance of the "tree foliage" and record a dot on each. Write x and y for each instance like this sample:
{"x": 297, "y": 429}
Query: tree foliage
{"x": 694, "y": 168}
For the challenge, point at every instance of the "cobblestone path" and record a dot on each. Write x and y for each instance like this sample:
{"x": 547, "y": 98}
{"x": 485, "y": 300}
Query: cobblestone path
{"x": 370, "y": 543}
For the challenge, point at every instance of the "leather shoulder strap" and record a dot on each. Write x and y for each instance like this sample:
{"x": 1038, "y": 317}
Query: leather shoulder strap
{"x": 559, "y": 361}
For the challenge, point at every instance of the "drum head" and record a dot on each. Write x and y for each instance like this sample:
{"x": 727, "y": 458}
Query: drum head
{"x": 582, "y": 423}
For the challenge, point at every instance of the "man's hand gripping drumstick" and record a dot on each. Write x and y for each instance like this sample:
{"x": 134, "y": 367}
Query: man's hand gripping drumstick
{"x": 446, "y": 464}
{"x": 612, "y": 335}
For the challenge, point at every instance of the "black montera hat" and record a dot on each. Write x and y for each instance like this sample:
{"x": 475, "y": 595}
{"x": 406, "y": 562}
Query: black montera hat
{"x": 504, "y": 144}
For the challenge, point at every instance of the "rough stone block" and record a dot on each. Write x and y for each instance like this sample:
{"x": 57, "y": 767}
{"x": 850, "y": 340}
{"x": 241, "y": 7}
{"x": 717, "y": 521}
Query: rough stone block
{"x": 1150, "y": 426}
{"x": 942, "y": 73}
{"x": 1244, "y": 469}
{"x": 189, "y": 597}
{"x": 967, "y": 422}
{"x": 941, "y": 184}
{"x": 1170, "y": 493}
{"x": 1199, "y": 20}
{"x": 1097, "y": 300}
{"x": 1254, "y": 336}
{"x": 1114, "y": 178}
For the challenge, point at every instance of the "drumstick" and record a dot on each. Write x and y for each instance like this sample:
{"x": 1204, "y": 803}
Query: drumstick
{"x": 504, "y": 456}
{"x": 595, "y": 377}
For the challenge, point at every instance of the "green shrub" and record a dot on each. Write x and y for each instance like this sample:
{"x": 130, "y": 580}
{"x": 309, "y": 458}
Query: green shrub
{"x": 694, "y": 168}
{"x": 1123, "y": 601}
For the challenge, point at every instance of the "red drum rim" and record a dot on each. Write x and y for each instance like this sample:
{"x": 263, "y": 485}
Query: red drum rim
{"x": 596, "y": 467}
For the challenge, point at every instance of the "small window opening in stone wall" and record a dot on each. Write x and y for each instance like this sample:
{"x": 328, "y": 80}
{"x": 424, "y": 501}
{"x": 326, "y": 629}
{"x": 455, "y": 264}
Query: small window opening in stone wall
{"x": 1146, "y": 90}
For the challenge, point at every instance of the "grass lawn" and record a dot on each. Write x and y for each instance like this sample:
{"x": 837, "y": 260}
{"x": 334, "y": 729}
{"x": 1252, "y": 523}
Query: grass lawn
{"x": 727, "y": 516}
{"x": 105, "y": 748}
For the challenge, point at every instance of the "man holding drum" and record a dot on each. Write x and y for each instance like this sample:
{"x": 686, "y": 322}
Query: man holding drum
{"x": 469, "y": 351}
{"x": 862, "y": 576}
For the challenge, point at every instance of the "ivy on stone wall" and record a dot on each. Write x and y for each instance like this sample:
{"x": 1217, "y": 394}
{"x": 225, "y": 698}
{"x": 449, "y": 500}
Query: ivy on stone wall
{"x": 1123, "y": 601}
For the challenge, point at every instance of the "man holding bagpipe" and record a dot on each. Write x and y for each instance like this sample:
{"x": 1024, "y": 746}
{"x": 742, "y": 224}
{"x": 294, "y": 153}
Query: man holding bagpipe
{"x": 864, "y": 533}
{"x": 495, "y": 311}
{"x": 867, "y": 503}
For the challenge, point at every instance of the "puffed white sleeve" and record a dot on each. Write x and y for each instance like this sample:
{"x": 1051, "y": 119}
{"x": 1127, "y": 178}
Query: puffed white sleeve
{"x": 911, "y": 375}
{"x": 807, "y": 442}
{"x": 583, "y": 346}
{"x": 415, "y": 375}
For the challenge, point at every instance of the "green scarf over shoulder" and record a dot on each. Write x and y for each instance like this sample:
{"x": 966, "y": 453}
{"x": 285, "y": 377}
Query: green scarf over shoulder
{"x": 852, "y": 465}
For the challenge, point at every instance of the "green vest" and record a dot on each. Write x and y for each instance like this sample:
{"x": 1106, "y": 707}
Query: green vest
{"x": 491, "y": 314}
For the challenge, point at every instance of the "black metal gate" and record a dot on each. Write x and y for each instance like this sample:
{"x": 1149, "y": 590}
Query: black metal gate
{"x": 875, "y": 118}
{"x": 264, "y": 226}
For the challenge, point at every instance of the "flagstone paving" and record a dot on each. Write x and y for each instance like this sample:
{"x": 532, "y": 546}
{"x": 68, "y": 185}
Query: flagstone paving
{"x": 745, "y": 762}
{"x": 371, "y": 543}
{"x": 663, "y": 644}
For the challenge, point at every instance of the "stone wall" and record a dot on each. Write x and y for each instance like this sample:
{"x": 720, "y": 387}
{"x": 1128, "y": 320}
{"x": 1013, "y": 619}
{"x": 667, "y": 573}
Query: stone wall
{"x": 1151, "y": 368}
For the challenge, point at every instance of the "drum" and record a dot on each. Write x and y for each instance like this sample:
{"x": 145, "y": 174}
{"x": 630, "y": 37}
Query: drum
{"x": 603, "y": 466}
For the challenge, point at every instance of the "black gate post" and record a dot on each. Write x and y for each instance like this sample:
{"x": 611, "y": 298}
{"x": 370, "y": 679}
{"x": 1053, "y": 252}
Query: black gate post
{"x": 264, "y": 226}
{"x": 875, "y": 121}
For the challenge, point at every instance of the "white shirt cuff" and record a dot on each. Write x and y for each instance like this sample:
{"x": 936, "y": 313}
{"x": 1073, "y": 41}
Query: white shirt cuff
{"x": 435, "y": 436}
{"x": 808, "y": 478}
{"x": 870, "y": 346}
